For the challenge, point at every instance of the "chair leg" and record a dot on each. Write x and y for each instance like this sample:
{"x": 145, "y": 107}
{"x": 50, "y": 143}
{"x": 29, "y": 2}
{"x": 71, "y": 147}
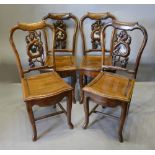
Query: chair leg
{"x": 81, "y": 86}
{"x": 128, "y": 108}
{"x": 69, "y": 109}
{"x": 73, "y": 80}
{"x": 85, "y": 80}
{"x": 86, "y": 109}
{"x": 32, "y": 120}
{"x": 122, "y": 121}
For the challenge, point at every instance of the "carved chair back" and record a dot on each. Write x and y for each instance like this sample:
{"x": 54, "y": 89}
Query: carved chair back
{"x": 36, "y": 46}
{"x": 99, "y": 20}
{"x": 61, "y": 41}
{"x": 121, "y": 46}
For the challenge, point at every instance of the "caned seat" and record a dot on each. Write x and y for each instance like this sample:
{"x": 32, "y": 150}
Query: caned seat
{"x": 111, "y": 86}
{"x": 63, "y": 63}
{"x": 43, "y": 86}
{"x": 90, "y": 62}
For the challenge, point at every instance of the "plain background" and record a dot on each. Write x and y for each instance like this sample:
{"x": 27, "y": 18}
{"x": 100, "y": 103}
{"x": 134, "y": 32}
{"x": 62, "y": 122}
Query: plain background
{"x": 11, "y": 14}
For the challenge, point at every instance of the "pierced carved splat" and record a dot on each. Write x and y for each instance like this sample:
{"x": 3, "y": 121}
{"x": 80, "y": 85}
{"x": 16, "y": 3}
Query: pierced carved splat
{"x": 121, "y": 48}
{"x": 35, "y": 49}
{"x": 61, "y": 35}
{"x": 95, "y": 34}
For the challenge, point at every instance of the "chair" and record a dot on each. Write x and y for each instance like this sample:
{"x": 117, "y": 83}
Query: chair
{"x": 39, "y": 89}
{"x": 65, "y": 59}
{"x": 91, "y": 64}
{"x": 109, "y": 89}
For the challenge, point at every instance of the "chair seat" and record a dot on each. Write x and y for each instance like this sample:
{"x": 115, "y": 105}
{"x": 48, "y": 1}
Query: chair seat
{"x": 111, "y": 86}
{"x": 63, "y": 63}
{"x": 94, "y": 62}
{"x": 43, "y": 85}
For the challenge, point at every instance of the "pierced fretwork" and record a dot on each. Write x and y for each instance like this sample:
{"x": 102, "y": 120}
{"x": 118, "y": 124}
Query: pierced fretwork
{"x": 35, "y": 50}
{"x": 95, "y": 34}
{"x": 61, "y": 35}
{"x": 121, "y": 48}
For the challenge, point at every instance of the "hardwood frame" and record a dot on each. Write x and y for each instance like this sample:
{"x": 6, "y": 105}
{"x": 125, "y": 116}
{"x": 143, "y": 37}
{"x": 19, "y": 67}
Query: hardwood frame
{"x": 41, "y": 100}
{"x": 91, "y": 72}
{"x": 111, "y": 101}
{"x": 66, "y": 72}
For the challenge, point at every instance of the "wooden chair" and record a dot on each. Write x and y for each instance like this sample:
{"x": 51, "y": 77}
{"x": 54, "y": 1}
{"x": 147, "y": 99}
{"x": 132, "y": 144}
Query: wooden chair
{"x": 66, "y": 61}
{"x": 40, "y": 89}
{"x": 91, "y": 64}
{"x": 109, "y": 89}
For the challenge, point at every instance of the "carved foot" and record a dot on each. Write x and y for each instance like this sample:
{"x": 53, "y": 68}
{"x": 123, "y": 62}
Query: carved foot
{"x": 34, "y": 138}
{"x": 121, "y": 138}
{"x": 122, "y": 121}
{"x": 71, "y": 126}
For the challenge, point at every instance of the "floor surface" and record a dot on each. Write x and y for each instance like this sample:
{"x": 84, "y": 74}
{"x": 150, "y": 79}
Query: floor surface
{"x": 15, "y": 129}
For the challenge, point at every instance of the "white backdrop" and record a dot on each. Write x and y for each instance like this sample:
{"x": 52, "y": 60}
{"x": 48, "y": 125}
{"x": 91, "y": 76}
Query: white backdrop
{"x": 11, "y": 14}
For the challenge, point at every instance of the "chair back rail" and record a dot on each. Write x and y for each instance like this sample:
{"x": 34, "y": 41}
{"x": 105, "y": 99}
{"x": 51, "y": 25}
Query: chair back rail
{"x": 34, "y": 45}
{"x": 125, "y": 39}
{"x": 60, "y": 18}
{"x": 98, "y": 17}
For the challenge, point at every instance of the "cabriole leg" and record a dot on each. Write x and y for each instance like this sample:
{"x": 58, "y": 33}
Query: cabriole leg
{"x": 122, "y": 121}
{"x": 69, "y": 109}
{"x": 32, "y": 120}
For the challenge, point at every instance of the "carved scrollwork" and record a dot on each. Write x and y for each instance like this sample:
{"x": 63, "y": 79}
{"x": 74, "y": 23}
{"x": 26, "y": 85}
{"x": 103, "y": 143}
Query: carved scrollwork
{"x": 61, "y": 35}
{"x": 95, "y": 34}
{"x": 35, "y": 50}
{"x": 121, "y": 48}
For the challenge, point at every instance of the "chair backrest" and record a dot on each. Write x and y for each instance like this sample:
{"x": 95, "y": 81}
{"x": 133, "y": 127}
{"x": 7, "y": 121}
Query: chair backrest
{"x": 122, "y": 39}
{"x": 36, "y": 48}
{"x": 61, "y": 42}
{"x": 99, "y": 20}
